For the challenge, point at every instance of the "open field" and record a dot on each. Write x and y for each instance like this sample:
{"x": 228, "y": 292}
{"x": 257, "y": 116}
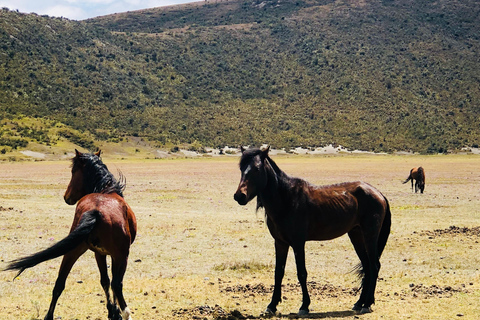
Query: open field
{"x": 200, "y": 255}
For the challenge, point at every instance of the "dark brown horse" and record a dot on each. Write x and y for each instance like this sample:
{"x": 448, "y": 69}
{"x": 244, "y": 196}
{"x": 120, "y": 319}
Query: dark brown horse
{"x": 417, "y": 174}
{"x": 297, "y": 211}
{"x": 103, "y": 223}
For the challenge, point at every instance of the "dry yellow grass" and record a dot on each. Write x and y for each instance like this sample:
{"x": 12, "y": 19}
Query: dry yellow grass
{"x": 197, "y": 247}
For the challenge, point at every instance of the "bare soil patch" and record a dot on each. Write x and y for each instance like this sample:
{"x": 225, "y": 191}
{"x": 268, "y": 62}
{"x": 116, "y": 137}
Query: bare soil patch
{"x": 314, "y": 288}
{"x": 216, "y": 312}
{"x": 442, "y": 291}
{"x": 453, "y": 231}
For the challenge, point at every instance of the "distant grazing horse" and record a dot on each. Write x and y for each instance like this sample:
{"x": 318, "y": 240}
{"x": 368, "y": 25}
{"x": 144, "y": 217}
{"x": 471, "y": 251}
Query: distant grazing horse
{"x": 103, "y": 223}
{"x": 297, "y": 211}
{"x": 417, "y": 174}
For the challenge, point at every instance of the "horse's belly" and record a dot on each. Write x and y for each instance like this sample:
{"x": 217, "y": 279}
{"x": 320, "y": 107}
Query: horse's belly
{"x": 327, "y": 235}
{"x": 100, "y": 250}
{"x": 95, "y": 244}
{"x": 327, "y": 230}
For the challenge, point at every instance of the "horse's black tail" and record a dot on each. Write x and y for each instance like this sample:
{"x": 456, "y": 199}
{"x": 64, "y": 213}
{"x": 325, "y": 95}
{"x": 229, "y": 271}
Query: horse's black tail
{"x": 76, "y": 237}
{"x": 385, "y": 230}
{"x": 408, "y": 179}
{"x": 382, "y": 239}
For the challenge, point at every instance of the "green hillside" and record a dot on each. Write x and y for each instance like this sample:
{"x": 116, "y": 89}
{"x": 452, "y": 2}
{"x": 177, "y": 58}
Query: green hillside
{"x": 372, "y": 75}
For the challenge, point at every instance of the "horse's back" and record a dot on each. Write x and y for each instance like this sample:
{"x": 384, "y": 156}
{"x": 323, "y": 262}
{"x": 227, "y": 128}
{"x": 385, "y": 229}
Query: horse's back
{"x": 354, "y": 189}
{"x": 336, "y": 209}
{"x": 417, "y": 173}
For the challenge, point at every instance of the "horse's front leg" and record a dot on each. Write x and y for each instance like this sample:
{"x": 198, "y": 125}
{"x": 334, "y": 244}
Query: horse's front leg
{"x": 299, "y": 251}
{"x": 281, "y": 253}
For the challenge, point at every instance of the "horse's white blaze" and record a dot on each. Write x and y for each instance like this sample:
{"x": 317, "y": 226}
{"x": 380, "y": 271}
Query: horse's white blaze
{"x": 247, "y": 170}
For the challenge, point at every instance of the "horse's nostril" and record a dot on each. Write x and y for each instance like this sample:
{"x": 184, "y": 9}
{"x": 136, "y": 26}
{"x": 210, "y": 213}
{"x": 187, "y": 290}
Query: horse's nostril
{"x": 68, "y": 200}
{"x": 241, "y": 198}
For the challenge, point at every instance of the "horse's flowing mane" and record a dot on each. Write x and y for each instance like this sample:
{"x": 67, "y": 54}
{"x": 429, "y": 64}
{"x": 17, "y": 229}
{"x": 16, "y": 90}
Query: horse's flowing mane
{"x": 97, "y": 178}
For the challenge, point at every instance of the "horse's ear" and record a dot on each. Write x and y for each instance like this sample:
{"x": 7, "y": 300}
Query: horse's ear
{"x": 77, "y": 153}
{"x": 98, "y": 153}
{"x": 242, "y": 149}
{"x": 265, "y": 152}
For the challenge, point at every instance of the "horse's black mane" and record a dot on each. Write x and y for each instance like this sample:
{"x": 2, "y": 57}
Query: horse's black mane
{"x": 97, "y": 178}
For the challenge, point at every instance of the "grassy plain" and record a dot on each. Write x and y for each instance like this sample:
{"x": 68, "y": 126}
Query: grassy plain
{"x": 200, "y": 255}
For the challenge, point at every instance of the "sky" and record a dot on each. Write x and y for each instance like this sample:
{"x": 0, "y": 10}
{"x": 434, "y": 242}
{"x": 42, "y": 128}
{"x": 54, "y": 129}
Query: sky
{"x": 83, "y": 9}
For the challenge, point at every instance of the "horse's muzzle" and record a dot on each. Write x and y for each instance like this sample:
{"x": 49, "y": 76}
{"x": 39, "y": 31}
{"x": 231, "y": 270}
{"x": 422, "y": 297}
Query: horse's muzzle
{"x": 69, "y": 201}
{"x": 241, "y": 198}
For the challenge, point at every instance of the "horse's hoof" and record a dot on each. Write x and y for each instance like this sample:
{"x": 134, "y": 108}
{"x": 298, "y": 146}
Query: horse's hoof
{"x": 303, "y": 312}
{"x": 356, "y": 308}
{"x": 366, "y": 310}
{"x": 268, "y": 313}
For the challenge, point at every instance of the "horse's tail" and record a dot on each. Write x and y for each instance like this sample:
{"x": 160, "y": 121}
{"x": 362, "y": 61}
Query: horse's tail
{"x": 382, "y": 239}
{"x": 385, "y": 230}
{"x": 76, "y": 237}
{"x": 409, "y": 177}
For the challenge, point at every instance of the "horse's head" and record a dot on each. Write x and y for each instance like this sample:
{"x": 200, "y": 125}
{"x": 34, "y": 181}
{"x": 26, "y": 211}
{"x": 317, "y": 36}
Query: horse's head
{"x": 254, "y": 175}
{"x": 77, "y": 187}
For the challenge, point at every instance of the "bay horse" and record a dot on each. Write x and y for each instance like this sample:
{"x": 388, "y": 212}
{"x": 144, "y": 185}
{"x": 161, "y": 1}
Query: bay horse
{"x": 417, "y": 174}
{"x": 103, "y": 223}
{"x": 297, "y": 211}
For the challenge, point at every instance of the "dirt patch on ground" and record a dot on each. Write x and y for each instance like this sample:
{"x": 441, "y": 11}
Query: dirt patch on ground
{"x": 6, "y": 209}
{"x": 314, "y": 288}
{"x": 452, "y": 231}
{"x": 421, "y": 291}
{"x": 208, "y": 312}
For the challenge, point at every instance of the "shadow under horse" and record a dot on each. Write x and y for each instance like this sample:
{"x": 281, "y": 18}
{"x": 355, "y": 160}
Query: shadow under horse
{"x": 417, "y": 174}
{"x": 103, "y": 223}
{"x": 297, "y": 211}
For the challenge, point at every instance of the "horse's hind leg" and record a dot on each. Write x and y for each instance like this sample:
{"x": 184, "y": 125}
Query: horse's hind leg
{"x": 113, "y": 312}
{"x": 371, "y": 244}
{"x": 68, "y": 261}
{"x": 356, "y": 237}
{"x": 119, "y": 266}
